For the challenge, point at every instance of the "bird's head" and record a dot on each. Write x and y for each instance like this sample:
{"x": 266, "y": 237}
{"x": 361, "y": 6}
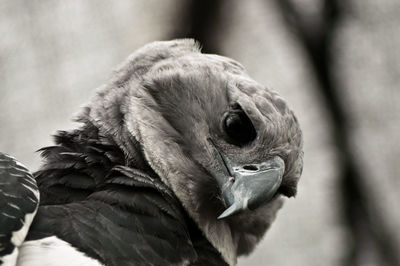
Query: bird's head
{"x": 227, "y": 146}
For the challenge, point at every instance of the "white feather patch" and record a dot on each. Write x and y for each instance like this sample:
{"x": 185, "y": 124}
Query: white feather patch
{"x": 52, "y": 251}
{"x": 19, "y": 236}
{"x": 10, "y": 259}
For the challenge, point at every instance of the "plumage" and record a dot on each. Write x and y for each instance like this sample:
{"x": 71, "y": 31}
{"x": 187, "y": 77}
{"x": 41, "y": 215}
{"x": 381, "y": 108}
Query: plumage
{"x": 19, "y": 200}
{"x": 171, "y": 141}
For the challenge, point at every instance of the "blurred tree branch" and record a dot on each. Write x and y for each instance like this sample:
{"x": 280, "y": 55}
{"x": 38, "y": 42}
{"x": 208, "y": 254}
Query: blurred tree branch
{"x": 360, "y": 211}
{"x": 199, "y": 20}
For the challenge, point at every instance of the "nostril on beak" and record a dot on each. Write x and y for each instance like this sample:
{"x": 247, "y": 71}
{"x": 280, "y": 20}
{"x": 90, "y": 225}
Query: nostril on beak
{"x": 250, "y": 167}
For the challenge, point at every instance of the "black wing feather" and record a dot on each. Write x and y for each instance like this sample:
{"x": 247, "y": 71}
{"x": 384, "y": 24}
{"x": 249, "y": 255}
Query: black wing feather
{"x": 127, "y": 222}
{"x": 19, "y": 196}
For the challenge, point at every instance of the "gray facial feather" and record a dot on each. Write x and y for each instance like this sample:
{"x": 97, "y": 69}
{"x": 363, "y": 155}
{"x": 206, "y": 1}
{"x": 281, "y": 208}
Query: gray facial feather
{"x": 169, "y": 97}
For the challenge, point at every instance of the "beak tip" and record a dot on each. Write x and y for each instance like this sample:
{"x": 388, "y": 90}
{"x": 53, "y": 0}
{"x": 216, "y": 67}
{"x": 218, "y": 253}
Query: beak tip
{"x": 222, "y": 216}
{"x": 229, "y": 212}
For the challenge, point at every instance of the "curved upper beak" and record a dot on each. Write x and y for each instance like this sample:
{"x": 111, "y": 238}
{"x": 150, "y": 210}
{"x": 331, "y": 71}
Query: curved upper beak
{"x": 247, "y": 186}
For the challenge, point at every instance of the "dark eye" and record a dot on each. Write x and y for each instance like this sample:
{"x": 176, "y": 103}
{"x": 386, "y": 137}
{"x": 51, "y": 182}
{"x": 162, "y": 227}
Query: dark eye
{"x": 238, "y": 126}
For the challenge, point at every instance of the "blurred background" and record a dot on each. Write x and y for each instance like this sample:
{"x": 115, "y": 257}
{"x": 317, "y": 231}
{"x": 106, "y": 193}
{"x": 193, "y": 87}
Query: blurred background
{"x": 336, "y": 62}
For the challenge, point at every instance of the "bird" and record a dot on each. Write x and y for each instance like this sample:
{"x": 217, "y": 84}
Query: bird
{"x": 181, "y": 158}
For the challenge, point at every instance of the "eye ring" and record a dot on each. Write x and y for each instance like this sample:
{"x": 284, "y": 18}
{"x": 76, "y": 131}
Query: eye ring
{"x": 238, "y": 126}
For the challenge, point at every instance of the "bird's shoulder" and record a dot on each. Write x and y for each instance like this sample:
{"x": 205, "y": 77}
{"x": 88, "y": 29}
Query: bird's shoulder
{"x": 133, "y": 219}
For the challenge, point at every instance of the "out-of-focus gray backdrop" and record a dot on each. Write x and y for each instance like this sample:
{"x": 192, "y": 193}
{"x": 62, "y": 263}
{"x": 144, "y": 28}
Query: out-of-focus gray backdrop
{"x": 53, "y": 54}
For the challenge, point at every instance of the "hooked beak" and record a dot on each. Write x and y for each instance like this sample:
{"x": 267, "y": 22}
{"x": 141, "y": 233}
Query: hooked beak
{"x": 247, "y": 186}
